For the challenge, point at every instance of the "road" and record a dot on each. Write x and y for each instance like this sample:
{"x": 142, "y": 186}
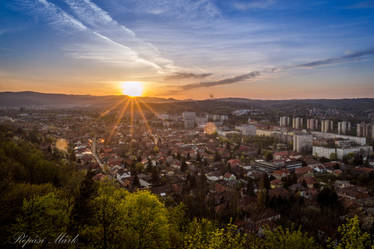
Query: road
{"x": 93, "y": 150}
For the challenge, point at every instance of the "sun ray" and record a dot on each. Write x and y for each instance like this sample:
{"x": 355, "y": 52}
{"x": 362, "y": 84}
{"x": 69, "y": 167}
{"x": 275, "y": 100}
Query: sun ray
{"x": 150, "y": 108}
{"x": 145, "y": 120}
{"x": 132, "y": 118}
{"x": 115, "y": 126}
{"x": 104, "y": 113}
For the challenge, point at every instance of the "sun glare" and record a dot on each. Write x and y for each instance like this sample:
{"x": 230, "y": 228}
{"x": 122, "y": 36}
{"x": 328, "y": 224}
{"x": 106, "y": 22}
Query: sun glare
{"x": 132, "y": 88}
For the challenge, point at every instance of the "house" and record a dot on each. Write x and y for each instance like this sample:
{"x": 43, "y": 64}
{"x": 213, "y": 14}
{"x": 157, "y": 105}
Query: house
{"x": 161, "y": 190}
{"x": 309, "y": 181}
{"x": 144, "y": 184}
{"x": 337, "y": 172}
{"x": 219, "y": 188}
{"x": 342, "y": 184}
{"x": 364, "y": 170}
{"x": 276, "y": 183}
{"x": 303, "y": 171}
{"x": 312, "y": 163}
{"x": 233, "y": 163}
{"x": 229, "y": 177}
{"x": 320, "y": 169}
{"x": 214, "y": 176}
{"x": 331, "y": 166}
{"x": 278, "y": 192}
{"x": 353, "y": 193}
{"x": 280, "y": 155}
{"x": 281, "y": 173}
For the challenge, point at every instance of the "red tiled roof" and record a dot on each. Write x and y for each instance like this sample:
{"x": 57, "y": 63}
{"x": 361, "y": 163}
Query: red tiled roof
{"x": 302, "y": 170}
{"x": 365, "y": 170}
{"x": 276, "y": 182}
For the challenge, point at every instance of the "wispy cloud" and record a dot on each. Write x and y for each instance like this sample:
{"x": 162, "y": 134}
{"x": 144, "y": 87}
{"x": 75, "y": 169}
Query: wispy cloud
{"x": 177, "y": 9}
{"x": 101, "y": 23}
{"x": 96, "y": 24}
{"x": 54, "y": 14}
{"x": 181, "y": 75}
{"x": 225, "y": 81}
{"x": 336, "y": 60}
{"x": 254, "y": 74}
{"x": 254, "y": 4}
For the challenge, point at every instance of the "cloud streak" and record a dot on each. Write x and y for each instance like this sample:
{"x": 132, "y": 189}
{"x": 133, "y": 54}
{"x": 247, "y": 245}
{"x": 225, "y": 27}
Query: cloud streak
{"x": 255, "y": 4}
{"x": 53, "y": 14}
{"x": 180, "y": 75}
{"x": 226, "y": 81}
{"x": 97, "y": 26}
{"x": 255, "y": 74}
{"x": 336, "y": 60}
{"x": 103, "y": 25}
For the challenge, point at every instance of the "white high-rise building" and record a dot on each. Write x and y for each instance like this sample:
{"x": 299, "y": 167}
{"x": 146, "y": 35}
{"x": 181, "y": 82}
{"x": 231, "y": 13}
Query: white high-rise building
{"x": 344, "y": 127}
{"x": 327, "y": 125}
{"x": 302, "y": 143}
{"x": 189, "y": 119}
{"x": 362, "y": 129}
{"x": 284, "y": 121}
{"x": 297, "y": 123}
{"x": 312, "y": 124}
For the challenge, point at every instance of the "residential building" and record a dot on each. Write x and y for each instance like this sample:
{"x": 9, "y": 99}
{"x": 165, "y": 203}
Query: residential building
{"x": 362, "y": 129}
{"x": 247, "y": 130}
{"x": 344, "y": 127}
{"x": 327, "y": 125}
{"x": 357, "y": 140}
{"x": 297, "y": 123}
{"x": 284, "y": 121}
{"x": 302, "y": 143}
{"x": 189, "y": 119}
{"x": 326, "y": 152}
{"x": 312, "y": 124}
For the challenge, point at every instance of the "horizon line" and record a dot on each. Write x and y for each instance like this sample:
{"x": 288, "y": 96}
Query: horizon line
{"x": 166, "y": 98}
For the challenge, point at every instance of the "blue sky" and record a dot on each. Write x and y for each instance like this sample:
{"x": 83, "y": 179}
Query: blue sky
{"x": 268, "y": 49}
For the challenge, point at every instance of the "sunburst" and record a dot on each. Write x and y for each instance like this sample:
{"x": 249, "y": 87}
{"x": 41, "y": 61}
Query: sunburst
{"x": 132, "y": 88}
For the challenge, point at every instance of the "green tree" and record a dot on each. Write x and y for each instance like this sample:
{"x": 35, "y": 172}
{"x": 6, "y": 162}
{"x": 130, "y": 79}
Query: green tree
{"x": 268, "y": 155}
{"x": 155, "y": 175}
{"x": 82, "y": 211}
{"x": 45, "y": 216}
{"x": 203, "y": 234}
{"x": 351, "y": 236}
{"x": 286, "y": 238}
{"x": 145, "y": 221}
{"x": 127, "y": 220}
{"x": 333, "y": 157}
{"x": 327, "y": 197}
{"x": 104, "y": 231}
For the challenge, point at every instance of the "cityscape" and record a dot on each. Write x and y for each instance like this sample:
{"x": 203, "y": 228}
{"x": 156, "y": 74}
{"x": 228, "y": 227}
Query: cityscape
{"x": 186, "y": 124}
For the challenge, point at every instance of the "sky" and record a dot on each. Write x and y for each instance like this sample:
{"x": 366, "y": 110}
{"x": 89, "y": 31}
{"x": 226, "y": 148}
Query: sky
{"x": 259, "y": 49}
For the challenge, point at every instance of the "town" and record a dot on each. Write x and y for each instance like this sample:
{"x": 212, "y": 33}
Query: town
{"x": 233, "y": 165}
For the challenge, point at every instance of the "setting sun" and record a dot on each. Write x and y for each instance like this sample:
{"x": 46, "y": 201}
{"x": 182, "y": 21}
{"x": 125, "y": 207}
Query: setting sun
{"x": 132, "y": 88}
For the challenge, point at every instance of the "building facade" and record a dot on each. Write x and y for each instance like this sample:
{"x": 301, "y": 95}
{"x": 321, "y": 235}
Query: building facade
{"x": 302, "y": 143}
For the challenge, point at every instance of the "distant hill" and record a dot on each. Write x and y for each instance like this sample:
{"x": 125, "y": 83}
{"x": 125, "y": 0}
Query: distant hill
{"x": 288, "y": 107}
{"x": 34, "y": 99}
